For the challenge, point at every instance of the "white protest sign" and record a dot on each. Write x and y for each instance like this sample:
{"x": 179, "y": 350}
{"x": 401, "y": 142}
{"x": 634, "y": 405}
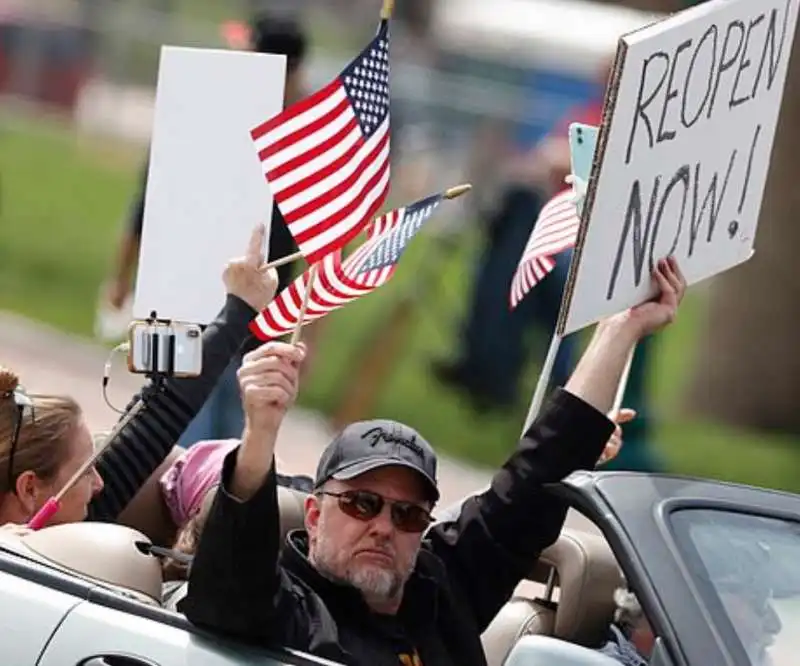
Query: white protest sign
{"x": 205, "y": 188}
{"x": 693, "y": 106}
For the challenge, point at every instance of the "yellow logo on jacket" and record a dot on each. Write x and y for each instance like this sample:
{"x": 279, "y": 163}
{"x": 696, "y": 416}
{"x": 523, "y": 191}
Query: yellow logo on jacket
{"x": 410, "y": 659}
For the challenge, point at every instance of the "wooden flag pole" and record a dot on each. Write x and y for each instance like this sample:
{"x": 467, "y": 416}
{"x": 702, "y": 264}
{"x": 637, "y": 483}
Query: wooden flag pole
{"x": 304, "y": 306}
{"x": 544, "y": 379}
{"x": 623, "y": 383}
{"x": 387, "y": 9}
{"x": 284, "y": 260}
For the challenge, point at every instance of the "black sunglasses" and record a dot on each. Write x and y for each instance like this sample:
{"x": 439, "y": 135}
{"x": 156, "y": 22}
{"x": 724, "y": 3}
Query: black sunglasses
{"x": 22, "y": 401}
{"x": 365, "y": 505}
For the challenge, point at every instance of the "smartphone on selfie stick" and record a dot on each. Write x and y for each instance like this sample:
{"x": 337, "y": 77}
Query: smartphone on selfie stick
{"x": 165, "y": 348}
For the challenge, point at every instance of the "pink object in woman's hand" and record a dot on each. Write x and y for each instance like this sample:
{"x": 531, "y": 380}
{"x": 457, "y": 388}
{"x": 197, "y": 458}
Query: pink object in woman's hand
{"x": 44, "y": 514}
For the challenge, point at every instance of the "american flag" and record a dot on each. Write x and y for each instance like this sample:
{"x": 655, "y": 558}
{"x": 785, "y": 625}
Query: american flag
{"x": 340, "y": 282}
{"x": 555, "y": 231}
{"x": 326, "y": 158}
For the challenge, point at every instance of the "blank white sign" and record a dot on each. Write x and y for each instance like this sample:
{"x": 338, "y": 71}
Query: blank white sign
{"x": 686, "y": 155}
{"x": 205, "y": 189}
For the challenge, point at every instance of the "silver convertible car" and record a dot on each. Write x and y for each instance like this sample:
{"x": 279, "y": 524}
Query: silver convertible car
{"x": 716, "y": 568}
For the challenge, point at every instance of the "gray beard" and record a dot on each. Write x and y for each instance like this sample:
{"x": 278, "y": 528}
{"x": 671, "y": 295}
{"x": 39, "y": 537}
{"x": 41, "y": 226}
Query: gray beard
{"x": 374, "y": 583}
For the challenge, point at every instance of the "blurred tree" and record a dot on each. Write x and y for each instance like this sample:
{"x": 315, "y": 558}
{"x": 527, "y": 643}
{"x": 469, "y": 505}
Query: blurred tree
{"x": 748, "y": 368}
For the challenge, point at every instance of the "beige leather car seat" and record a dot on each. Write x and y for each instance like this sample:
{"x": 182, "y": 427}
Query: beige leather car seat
{"x": 290, "y": 506}
{"x": 570, "y": 595}
{"x": 102, "y": 553}
{"x": 108, "y": 554}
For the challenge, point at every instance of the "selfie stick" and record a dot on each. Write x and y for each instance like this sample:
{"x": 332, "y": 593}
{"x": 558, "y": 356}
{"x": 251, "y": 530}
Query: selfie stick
{"x": 53, "y": 504}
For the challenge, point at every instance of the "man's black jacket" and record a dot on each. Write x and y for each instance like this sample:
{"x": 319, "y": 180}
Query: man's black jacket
{"x": 240, "y": 585}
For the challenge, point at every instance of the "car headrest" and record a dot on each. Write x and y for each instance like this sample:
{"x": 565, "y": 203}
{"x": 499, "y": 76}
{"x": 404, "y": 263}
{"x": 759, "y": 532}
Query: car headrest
{"x": 587, "y": 575}
{"x": 290, "y": 507}
{"x": 101, "y": 552}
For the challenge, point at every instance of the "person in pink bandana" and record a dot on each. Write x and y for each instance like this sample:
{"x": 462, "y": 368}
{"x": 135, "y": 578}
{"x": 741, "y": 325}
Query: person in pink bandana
{"x": 187, "y": 486}
{"x": 186, "y": 483}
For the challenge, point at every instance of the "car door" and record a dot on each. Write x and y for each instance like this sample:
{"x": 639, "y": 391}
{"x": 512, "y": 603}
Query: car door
{"x": 34, "y": 600}
{"x": 110, "y": 631}
{"x": 29, "y": 615}
{"x": 685, "y": 544}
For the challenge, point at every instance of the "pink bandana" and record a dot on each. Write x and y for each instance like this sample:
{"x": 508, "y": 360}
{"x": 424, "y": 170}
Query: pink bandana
{"x": 185, "y": 484}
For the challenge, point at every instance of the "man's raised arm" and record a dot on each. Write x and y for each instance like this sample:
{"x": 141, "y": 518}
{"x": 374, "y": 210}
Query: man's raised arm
{"x": 497, "y": 536}
{"x": 235, "y": 586}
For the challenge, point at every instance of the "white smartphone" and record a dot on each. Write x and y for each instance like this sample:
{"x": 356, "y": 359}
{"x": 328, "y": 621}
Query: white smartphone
{"x": 172, "y": 349}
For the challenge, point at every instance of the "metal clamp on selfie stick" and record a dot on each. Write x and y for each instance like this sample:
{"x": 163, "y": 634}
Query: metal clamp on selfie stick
{"x": 155, "y": 385}
{"x": 154, "y": 367}
{"x": 164, "y": 347}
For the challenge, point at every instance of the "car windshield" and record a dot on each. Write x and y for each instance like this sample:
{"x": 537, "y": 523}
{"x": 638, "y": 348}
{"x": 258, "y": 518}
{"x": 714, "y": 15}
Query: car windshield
{"x": 747, "y": 569}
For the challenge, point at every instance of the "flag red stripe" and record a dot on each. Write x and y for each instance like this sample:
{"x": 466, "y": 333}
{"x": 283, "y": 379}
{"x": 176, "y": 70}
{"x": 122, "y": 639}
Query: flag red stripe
{"x": 325, "y": 172}
{"x": 344, "y": 212}
{"x": 555, "y": 231}
{"x": 335, "y": 192}
{"x": 301, "y": 133}
{"x": 350, "y": 234}
{"x": 294, "y": 297}
{"x": 295, "y": 110}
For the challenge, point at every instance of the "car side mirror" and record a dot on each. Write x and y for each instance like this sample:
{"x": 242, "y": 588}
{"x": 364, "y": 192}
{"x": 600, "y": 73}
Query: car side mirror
{"x": 537, "y": 650}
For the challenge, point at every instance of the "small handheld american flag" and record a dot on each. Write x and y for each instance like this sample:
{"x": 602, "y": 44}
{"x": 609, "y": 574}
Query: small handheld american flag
{"x": 340, "y": 282}
{"x": 556, "y": 230}
{"x": 326, "y": 158}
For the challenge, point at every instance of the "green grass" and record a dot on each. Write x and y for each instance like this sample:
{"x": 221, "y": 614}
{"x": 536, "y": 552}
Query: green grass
{"x": 62, "y": 204}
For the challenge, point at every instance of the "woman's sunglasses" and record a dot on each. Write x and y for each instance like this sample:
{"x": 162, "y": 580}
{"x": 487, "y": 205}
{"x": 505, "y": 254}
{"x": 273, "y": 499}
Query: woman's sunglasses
{"x": 22, "y": 401}
{"x": 365, "y": 505}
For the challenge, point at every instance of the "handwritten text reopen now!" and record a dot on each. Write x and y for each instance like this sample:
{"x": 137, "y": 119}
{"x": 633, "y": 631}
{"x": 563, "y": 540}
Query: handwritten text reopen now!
{"x": 690, "y": 89}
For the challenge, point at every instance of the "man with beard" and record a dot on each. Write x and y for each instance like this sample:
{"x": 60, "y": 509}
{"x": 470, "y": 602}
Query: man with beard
{"x": 360, "y": 585}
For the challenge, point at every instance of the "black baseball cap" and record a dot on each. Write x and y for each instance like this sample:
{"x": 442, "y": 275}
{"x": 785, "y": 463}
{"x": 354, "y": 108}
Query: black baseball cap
{"x": 367, "y": 445}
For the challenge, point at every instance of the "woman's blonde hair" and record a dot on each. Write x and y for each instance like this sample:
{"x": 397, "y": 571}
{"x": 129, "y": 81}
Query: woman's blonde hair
{"x": 42, "y": 432}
